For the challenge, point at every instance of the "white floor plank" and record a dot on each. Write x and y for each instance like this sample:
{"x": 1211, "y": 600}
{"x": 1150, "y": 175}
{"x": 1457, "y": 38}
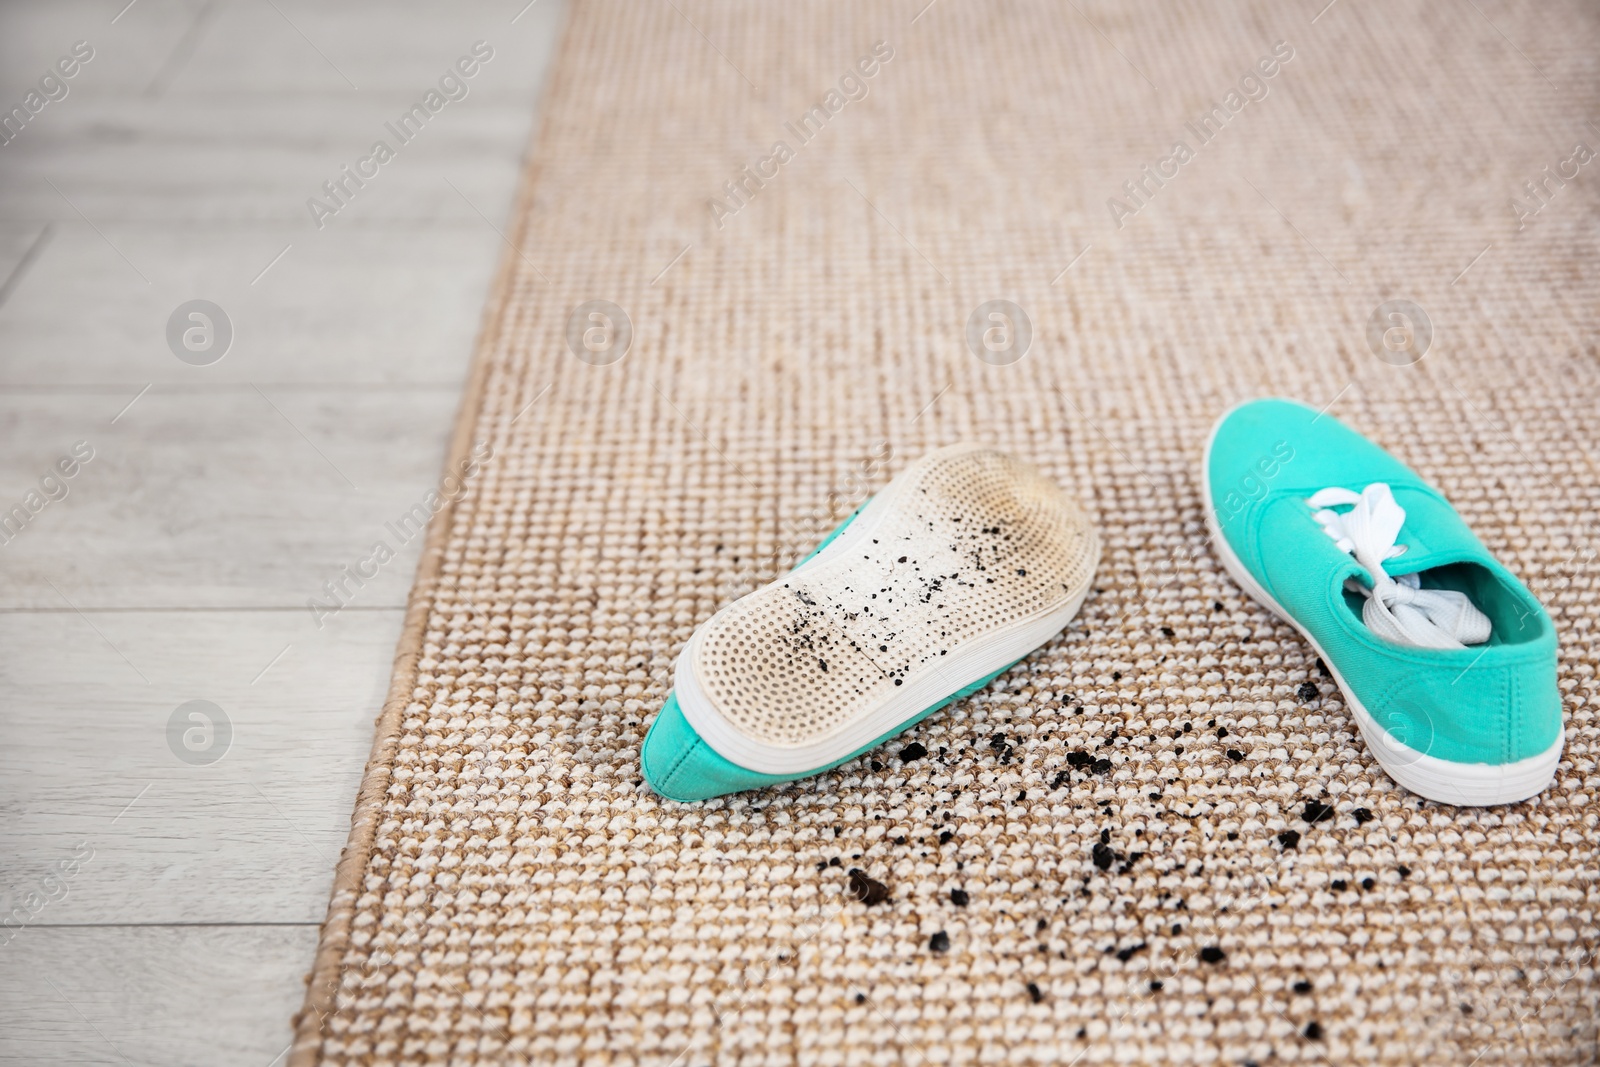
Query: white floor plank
{"x": 288, "y": 47}
{"x": 256, "y": 122}
{"x": 409, "y": 320}
{"x": 218, "y": 499}
{"x": 243, "y": 825}
{"x": 127, "y": 52}
{"x": 258, "y": 160}
{"x": 163, "y": 996}
{"x": 389, "y": 50}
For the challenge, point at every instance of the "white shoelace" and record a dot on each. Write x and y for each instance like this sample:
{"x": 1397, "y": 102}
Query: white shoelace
{"x": 1398, "y": 609}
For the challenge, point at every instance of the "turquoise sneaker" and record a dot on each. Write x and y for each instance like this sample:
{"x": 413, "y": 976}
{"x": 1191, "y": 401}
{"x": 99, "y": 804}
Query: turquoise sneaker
{"x": 1446, "y": 661}
{"x": 962, "y": 565}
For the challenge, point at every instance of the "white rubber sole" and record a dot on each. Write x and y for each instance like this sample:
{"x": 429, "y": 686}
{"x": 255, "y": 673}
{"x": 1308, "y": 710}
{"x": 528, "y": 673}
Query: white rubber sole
{"x": 976, "y": 659}
{"x": 1446, "y": 781}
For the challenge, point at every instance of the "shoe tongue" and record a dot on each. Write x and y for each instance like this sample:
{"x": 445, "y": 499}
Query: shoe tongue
{"x": 1433, "y": 534}
{"x": 1418, "y": 557}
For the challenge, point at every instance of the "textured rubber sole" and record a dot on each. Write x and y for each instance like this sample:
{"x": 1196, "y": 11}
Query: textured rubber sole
{"x": 680, "y": 766}
{"x": 965, "y": 563}
{"x": 1446, "y": 781}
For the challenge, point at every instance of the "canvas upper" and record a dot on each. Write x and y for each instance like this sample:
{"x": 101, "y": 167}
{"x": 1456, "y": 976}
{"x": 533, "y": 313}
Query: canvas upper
{"x": 1494, "y": 703}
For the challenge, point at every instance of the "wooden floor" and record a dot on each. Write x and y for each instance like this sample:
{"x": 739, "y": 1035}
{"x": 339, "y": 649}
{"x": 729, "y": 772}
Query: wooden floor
{"x": 161, "y": 904}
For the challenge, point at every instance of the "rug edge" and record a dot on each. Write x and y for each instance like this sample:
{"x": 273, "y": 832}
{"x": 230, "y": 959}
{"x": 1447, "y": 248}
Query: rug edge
{"x": 334, "y": 936}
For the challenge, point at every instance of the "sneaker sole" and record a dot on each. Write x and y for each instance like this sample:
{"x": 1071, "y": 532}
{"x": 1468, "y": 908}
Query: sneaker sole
{"x": 1449, "y": 782}
{"x": 892, "y": 518}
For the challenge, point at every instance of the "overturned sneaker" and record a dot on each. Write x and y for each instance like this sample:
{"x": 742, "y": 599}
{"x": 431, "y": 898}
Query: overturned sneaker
{"x": 1447, "y": 663}
{"x": 962, "y": 565}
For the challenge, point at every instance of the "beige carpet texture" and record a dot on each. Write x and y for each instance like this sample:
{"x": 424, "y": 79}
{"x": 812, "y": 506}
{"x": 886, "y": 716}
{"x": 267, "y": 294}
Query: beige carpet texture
{"x": 765, "y": 255}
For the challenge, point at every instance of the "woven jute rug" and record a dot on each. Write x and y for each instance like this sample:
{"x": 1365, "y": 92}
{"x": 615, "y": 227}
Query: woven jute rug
{"x": 1159, "y": 838}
